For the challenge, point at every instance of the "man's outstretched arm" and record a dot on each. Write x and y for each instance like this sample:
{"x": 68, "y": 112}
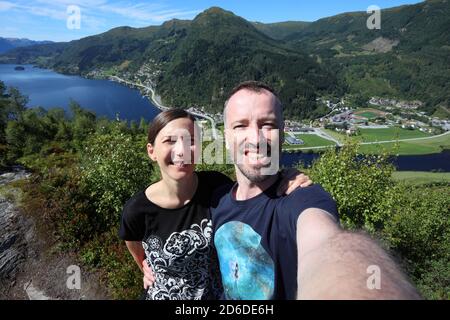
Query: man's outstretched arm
{"x": 336, "y": 264}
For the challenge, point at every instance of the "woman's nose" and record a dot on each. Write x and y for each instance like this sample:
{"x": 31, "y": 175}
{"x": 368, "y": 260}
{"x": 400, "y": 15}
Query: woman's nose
{"x": 179, "y": 147}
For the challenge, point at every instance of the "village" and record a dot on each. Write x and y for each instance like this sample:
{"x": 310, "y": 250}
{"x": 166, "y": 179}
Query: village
{"x": 390, "y": 119}
{"x": 379, "y": 121}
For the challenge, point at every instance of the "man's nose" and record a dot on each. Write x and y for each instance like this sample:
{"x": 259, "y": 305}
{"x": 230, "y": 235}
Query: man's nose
{"x": 253, "y": 135}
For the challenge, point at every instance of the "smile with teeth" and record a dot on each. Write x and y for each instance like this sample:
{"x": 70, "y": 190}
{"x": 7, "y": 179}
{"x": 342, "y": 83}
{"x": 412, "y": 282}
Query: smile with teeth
{"x": 179, "y": 164}
{"x": 255, "y": 156}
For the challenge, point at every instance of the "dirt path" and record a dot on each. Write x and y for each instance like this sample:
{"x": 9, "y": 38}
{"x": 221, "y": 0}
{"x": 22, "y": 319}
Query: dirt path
{"x": 30, "y": 267}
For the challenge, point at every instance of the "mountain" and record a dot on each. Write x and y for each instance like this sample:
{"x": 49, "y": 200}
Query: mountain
{"x": 200, "y": 61}
{"x": 407, "y": 58}
{"x": 221, "y": 49}
{"x": 11, "y": 43}
{"x": 281, "y": 30}
{"x": 196, "y": 62}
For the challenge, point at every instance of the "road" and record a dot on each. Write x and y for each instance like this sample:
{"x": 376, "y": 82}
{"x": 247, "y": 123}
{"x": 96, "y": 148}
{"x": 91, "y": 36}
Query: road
{"x": 324, "y": 135}
{"x": 164, "y": 108}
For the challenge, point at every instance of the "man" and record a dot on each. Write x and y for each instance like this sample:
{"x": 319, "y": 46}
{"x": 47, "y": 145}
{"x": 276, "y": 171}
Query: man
{"x": 273, "y": 247}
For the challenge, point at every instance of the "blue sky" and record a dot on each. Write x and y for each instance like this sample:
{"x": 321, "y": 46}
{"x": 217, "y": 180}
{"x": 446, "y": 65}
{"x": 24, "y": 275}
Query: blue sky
{"x": 47, "y": 19}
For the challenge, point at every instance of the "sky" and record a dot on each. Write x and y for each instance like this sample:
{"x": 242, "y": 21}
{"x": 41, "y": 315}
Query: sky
{"x": 65, "y": 20}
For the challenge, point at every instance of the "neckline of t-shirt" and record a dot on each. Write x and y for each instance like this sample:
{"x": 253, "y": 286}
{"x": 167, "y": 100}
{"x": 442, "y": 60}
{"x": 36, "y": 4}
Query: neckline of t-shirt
{"x": 175, "y": 209}
{"x": 256, "y": 198}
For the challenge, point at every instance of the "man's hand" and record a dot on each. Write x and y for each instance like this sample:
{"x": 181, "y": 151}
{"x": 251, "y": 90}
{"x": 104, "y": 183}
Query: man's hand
{"x": 149, "y": 277}
{"x": 333, "y": 263}
{"x": 291, "y": 180}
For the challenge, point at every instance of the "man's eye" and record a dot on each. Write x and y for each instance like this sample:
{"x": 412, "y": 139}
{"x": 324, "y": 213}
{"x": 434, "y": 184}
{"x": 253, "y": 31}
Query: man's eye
{"x": 238, "y": 126}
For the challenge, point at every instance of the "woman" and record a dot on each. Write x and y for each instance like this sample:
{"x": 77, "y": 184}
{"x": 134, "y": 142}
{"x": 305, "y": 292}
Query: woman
{"x": 167, "y": 225}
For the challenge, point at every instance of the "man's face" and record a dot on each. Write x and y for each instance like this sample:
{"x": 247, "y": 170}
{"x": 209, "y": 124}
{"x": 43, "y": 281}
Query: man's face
{"x": 252, "y": 133}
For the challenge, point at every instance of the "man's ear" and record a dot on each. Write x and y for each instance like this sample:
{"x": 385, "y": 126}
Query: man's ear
{"x": 151, "y": 151}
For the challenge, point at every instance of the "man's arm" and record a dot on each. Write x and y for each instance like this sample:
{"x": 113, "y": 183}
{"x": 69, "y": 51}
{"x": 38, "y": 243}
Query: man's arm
{"x": 336, "y": 264}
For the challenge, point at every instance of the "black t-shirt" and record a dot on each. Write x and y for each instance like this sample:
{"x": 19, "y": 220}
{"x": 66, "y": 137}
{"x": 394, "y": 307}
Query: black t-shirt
{"x": 178, "y": 243}
{"x": 256, "y": 240}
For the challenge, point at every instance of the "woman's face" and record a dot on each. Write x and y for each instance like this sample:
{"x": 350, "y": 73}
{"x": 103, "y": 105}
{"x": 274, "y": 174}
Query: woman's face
{"x": 175, "y": 148}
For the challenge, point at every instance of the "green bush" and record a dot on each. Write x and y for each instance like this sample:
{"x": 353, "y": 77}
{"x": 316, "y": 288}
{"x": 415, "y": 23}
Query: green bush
{"x": 114, "y": 167}
{"x": 120, "y": 273}
{"x": 435, "y": 283}
{"x": 362, "y": 187}
{"x": 419, "y": 231}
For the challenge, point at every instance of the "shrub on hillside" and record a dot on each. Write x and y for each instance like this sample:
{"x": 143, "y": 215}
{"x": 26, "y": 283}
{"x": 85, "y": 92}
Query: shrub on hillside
{"x": 114, "y": 167}
{"x": 362, "y": 187}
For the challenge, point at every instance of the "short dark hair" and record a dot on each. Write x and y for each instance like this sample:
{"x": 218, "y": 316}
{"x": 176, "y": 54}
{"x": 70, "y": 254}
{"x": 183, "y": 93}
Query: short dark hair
{"x": 255, "y": 86}
{"x": 162, "y": 119}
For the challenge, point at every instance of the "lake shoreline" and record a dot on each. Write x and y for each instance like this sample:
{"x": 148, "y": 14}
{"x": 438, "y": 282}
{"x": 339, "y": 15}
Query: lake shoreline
{"x": 49, "y": 88}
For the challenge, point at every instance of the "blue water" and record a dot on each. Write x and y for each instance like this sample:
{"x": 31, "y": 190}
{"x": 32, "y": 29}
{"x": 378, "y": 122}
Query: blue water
{"x": 49, "y": 89}
{"x": 429, "y": 162}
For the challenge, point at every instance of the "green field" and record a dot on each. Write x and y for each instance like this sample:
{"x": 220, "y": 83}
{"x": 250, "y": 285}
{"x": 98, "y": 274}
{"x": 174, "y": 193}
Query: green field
{"x": 417, "y": 177}
{"x": 373, "y": 135}
{"x": 417, "y": 147}
{"x": 369, "y": 113}
{"x": 336, "y": 135}
{"x": 311, "y": 140}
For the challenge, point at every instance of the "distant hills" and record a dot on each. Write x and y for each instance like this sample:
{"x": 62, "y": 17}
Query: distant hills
{"x": 11, "y": 43}
{"x": 199, "y": 61}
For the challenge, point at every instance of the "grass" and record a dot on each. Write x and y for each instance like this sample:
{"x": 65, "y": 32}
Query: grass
{"x": 336, "y": 135}
{"x": 417, "y": 147}
{"x": 373, "y": 135}
{"x": 369, "y": 113}
{"x": 418, "y": 177}
{"x": 311, "y": 140}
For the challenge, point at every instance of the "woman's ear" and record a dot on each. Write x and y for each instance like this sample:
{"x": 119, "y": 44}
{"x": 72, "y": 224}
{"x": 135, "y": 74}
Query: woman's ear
{"x": 151, "y": 151}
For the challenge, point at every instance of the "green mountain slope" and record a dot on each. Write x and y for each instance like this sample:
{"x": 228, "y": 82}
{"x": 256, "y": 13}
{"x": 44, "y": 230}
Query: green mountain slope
{"x": 407, "y": 58}
{"x": 221, "y": 49}
{"x": 199, "y": 61}
{"x": 280, "y": 30}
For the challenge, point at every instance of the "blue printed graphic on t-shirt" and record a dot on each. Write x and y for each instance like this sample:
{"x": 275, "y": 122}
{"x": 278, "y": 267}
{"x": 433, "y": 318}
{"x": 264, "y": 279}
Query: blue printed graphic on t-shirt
{"x": 247, "y": 269}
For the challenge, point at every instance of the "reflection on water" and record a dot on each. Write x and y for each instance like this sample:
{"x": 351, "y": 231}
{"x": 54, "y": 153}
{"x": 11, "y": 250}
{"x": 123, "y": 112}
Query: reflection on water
{"x": 48, "y": 89}
{"x": 429, "y": 162}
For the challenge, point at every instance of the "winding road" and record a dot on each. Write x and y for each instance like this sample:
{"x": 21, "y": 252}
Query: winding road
{"x": 164, "y": 108}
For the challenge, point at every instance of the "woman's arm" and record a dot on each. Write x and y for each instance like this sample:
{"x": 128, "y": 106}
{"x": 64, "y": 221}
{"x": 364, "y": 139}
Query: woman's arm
{"x": 136, "y": 250}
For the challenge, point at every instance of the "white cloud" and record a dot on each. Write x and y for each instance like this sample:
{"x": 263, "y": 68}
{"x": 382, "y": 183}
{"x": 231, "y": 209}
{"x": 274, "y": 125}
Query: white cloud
{"x": 96, "y": 15}
{"x": 146, "y": 12}
{"x": 141, "y": 12}
{"x": 46, "y": 12}
{"x": 5, "y": 5}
